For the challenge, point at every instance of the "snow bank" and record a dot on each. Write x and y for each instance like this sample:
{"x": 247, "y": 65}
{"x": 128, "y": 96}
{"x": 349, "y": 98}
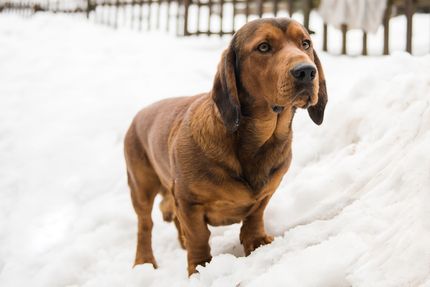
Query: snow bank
{"x": 352, "y": 211}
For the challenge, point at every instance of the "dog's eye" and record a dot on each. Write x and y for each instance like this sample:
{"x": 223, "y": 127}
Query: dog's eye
{"x": 264, "y": 47}
{"x": 306, "y": 44}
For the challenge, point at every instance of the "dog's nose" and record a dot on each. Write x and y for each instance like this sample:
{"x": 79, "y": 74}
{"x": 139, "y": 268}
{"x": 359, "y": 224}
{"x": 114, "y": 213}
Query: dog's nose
{"x": 303, "y": 72}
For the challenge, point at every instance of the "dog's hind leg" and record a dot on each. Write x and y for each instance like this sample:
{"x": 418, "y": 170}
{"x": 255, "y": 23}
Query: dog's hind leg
{"x": 144, "y": 186}
{"x": 143, "y": 193}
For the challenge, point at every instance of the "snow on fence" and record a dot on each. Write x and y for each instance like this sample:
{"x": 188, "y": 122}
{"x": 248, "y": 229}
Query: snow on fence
{"x": 207, "y": 17}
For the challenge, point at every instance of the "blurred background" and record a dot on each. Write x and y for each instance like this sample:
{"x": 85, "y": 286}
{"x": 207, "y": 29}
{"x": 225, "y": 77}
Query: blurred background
{"x": 224, "y": 17}
{"x": 351, "y": 211}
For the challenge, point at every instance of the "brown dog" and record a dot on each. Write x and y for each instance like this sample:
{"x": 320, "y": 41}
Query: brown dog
{"x": 217, "y": 158}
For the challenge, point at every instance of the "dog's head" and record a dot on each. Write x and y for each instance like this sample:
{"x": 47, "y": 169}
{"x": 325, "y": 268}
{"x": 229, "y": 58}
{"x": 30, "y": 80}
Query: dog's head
{"x": 272, "y": 63}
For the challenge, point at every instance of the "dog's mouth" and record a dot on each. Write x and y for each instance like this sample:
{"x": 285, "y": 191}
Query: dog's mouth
{"x": 297, "y": 95}
{"x": 303, "y": 97}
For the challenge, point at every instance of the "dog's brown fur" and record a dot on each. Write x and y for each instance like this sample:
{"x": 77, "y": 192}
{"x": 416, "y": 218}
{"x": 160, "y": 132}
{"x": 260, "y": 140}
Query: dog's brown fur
{"x": 217, "y": 158}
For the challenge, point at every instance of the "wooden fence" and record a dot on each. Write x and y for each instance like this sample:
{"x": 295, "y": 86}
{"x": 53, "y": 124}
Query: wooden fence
{"x": 204, "y": 17}
{"x": 137, "y": 14}
{"x": 394, "y": 7}
{"x": 231, "y": 14}
{"x": 146, "y": 14}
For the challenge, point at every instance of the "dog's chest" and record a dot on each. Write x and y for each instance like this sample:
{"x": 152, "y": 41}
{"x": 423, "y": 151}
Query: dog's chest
{"x": 263, "y": 169}
{"x": 237, "y": 199}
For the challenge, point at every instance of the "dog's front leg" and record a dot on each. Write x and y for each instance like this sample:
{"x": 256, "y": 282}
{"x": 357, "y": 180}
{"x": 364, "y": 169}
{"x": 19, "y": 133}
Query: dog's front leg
{"x": 252, "y": 233}
{"x": 196, "y": 232}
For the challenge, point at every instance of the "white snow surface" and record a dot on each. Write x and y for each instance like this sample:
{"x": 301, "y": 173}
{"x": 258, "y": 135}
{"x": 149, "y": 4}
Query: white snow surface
{"x": 353, "y": 210}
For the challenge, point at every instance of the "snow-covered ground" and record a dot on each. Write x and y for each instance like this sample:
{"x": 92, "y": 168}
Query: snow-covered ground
{"x": 352, "y": 211}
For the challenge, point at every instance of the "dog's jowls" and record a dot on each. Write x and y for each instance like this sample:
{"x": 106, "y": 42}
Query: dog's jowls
{"x": 217, "y": 158}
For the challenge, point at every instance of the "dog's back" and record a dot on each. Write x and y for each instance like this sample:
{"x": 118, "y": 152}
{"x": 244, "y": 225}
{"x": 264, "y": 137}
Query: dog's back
{"x": 152, "y": 129}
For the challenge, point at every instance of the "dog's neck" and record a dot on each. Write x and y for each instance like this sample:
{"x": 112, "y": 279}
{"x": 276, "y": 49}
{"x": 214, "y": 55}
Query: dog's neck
{"x": 259, "y": 124}
{"x": 263, "y": 142}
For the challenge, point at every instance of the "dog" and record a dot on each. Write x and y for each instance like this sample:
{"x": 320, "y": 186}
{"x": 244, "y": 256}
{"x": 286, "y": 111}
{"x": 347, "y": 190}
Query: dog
{"x": 218, "y": 157}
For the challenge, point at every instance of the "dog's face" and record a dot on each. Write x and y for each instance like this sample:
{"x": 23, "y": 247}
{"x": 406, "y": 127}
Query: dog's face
{"x": 276, "y": 64}
{"x": 270, "y": 62}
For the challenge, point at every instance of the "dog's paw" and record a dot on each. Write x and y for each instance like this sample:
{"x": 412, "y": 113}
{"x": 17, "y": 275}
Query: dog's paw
{"x": 150, "y": 260}
{"x": 250, "y": 244}
{"x": 192, "y": 268}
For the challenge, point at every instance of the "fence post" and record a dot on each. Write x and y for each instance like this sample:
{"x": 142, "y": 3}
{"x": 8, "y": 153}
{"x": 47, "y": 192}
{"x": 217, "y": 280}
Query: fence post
{"x": 158, "y": 14}
{"x": 209, "y": 17}
{"x": 178, "y": 18}
{"x": 386, "y": 20}
{"x": 221, "y": 12}
{"x": 247, "y": 10}
{"x": 291, "y": 7}
{"x": 140, "y": 15}
{"x": 102, "y": 16}
{"x": 344, "y": 29}
{"x": 124, "y": 7}
{"x": 186, "y": 7}
{"x": 325, "y": 37}
{"x": 260, "y": 8}
{"x": 198, "y": 17}
{"x": 96, "y": 17}
{"x": 234, "y": 16}
{"x": 364, "y": 48}
{"x": 132, "y": 14}
{"x": 307, "y": 12}
{"x": 148, "y": 20}
{"x": 115, "y": 24}
{"x": 168, "y": 15}
{"x": 88, "y": 8}
{"x": 409, "y": 11}
{"x": 275, "y": 7}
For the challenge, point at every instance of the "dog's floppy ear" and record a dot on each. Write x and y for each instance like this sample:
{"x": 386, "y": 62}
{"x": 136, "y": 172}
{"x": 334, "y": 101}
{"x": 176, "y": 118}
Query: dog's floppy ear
{"x": 224, "y": 91}
{"x": 316, "y": 112}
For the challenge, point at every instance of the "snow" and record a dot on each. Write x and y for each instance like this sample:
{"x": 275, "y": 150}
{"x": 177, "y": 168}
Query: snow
{"x": 352, "y": 211}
